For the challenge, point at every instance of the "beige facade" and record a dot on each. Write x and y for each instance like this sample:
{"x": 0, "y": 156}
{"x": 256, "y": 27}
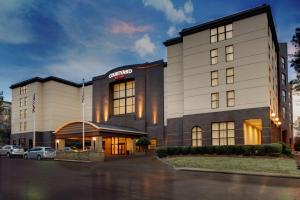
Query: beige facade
{"x": 55, "y": 103}
{"x": 188, "y": 75}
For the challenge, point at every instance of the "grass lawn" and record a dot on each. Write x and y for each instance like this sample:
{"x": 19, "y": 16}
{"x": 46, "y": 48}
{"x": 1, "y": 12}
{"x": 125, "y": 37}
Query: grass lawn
{"x": 230, "y": 163}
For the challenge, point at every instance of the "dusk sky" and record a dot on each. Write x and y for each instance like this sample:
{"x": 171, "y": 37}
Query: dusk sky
{"x": 75, "y": 39}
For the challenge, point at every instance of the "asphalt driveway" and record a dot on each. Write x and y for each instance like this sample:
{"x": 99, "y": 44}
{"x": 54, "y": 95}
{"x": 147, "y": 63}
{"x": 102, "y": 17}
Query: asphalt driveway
{"x": 139, "y": 178}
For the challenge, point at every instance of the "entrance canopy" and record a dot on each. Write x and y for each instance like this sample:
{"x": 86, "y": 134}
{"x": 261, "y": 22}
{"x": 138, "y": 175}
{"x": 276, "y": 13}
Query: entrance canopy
{"x": 74, "y": 129}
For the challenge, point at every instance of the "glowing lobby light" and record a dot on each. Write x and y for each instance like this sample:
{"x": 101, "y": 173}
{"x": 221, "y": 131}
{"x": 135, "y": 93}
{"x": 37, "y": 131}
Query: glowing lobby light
{"x": 273, "y": 115}
{"x": 57, "y": 141}
{"x": 279, "y": 123}
{"x": 276, "y": 119}
{"x": 94, "y": 138}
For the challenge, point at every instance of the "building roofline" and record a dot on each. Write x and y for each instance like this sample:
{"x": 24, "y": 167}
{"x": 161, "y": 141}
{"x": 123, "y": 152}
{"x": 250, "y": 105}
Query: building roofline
{"x": 49, "y": 78}
{"x": 134, "y": 66}
{"x": 227, "y": 19}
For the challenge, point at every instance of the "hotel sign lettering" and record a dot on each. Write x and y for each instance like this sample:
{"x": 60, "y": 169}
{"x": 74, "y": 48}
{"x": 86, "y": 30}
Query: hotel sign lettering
{"x": 120, "y": 74}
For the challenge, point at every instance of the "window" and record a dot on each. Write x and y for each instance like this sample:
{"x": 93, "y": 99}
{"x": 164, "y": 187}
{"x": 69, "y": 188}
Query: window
{"x": 21, "y": 114}
{"x": 25, "y": 113}
{"x": 283, "y": 113}
{"x": 25, "y": 126}
{"x": 283, "y": 79}
{"x": 223, "y": 133}
{"x": 124, "y": 98}
{"x": 214, "y": 56}
{"x": 282, "y": 63}
{"x": 230, "y": 98}
{"x": 215, "y": 100}
{"x": 25, "y": 101}
{"x": 23, "y": 89}
{"x": 283, "y": 96}
{"x": 20, "y": 126}
{"x": 221, "y": 33}
{"x": 229, "y": 53}
{"x": 214, "y": 78}
{"x": 196, "y": 136}
{"x": 213, "y": 35}
{"x": 21, "y": 102}
{"x": 229, "y": 75}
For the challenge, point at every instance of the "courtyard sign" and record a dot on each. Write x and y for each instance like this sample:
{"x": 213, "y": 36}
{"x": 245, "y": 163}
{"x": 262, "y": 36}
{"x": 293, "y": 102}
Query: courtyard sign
{"x": 120, "y": 74}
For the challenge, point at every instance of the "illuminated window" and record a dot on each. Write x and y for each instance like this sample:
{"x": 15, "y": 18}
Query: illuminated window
{"x": 223, "y": 133}
{"x": 118, "y": 146}
{"x": 215, "y": 100}
{"x": 214, "y": 56}
{"x": 229, "y": 75}
{"x": 229, "y": 53}
{"x": 230, "y": 98}
{"x": 196, "y": 136}
{"x": 214, "y": 78}
{"x": 124, "y": 98}
{"x": 221, "y": 33}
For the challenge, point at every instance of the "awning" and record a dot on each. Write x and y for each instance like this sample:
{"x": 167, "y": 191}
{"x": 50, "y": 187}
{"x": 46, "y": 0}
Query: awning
{"x": 74, "y": 128}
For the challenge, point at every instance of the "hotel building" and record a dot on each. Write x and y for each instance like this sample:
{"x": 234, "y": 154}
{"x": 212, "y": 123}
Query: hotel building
{"x": 225, "y": 83}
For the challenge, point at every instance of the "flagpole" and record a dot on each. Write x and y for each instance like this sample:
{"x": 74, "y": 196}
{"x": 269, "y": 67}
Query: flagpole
{"x": 33, "y": 110}
{"x": 83, "y": 141}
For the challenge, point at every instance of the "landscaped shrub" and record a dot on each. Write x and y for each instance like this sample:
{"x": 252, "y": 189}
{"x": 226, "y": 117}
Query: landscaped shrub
{"x": 297, "y": 147}
{"x": 286, "y": 150}
{"x": 247, "y": 150}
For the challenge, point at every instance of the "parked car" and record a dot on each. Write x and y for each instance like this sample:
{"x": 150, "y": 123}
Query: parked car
{"x": 70, "y": 149}
{"x": 40, "y": 153}
{"x": 12, "y": 151}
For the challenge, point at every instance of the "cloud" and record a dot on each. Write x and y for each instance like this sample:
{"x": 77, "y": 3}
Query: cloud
{"x": 144, "y": 46}
{"x": 188, "y": 7}
{"x": 172, "y": 31}
{"x": 13, "y": 27}
{"x": 119, "y": 26}
{"x": 174, "y": 15}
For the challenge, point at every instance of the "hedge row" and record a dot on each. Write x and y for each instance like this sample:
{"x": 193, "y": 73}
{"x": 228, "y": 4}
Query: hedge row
{"x": 274, "y": 149}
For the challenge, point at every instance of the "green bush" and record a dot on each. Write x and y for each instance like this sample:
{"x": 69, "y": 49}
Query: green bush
{"x": 286, "y": 150}
{"x": 297, "y": 147}
{"x": 246, "y": 150}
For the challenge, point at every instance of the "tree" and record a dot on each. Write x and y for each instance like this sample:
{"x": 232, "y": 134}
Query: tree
{"x": 143, "y": 142}
{"x": 295, "y": 61}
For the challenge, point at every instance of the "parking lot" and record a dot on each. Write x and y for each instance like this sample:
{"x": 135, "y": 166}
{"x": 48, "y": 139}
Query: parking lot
{"x": 138, "y": 178}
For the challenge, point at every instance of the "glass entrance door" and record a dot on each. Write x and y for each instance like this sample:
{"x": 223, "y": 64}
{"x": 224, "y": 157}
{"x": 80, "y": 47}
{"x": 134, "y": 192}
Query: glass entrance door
{"x": 118, "y": 146}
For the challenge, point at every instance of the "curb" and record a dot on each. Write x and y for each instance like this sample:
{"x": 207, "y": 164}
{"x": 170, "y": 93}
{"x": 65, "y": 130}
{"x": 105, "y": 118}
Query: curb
{"x": 238, "y": 173}
{"x": 77, "y": 161}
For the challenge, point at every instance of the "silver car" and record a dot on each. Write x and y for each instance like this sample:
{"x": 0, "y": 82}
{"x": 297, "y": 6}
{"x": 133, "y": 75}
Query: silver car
{"x": 12, "y": 151}
{"x": 40, "y": 153}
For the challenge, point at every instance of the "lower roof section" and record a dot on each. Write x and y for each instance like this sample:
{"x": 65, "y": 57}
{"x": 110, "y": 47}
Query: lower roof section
{"x": 75, "y": 128}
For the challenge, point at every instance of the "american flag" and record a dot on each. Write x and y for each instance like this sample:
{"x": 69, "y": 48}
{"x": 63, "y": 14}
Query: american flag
{"x": 33, "y": 103}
